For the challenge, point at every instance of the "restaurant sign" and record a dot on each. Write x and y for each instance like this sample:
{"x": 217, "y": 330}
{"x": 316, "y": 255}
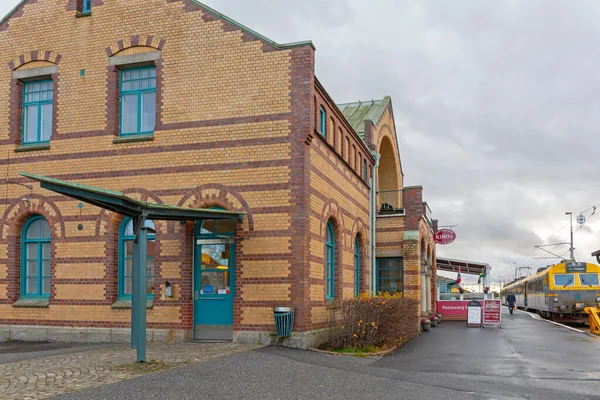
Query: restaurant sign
{"x": 444, "y": 236}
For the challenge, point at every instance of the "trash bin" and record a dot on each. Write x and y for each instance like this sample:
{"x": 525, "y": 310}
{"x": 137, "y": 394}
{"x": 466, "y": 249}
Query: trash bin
{"x": 284, "y": 321}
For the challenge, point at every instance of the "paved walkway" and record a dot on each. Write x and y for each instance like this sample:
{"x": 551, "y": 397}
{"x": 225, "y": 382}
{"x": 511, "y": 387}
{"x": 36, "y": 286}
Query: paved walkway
{"x": 527, "y": 359}
{"x": 47, "y": 376}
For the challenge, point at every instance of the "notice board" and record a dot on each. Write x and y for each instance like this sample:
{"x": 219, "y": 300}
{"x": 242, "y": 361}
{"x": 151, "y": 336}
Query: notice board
{"x": 491, "y": 312}
{"x": 474, "y": 313}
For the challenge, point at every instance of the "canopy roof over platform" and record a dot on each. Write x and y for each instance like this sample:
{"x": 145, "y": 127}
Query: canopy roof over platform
{"x": 467, "y": 267}
{"x": 139, "y": 212}
{"x": 119, "y": 203}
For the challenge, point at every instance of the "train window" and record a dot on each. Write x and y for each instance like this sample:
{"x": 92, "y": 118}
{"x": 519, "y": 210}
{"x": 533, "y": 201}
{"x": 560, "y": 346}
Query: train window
{"x": 588, "y": 279}
{"x": 564, "y": 279}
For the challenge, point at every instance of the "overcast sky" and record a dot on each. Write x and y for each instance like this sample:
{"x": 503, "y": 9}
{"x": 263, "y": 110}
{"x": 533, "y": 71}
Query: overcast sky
{"x": 496, "y": 105}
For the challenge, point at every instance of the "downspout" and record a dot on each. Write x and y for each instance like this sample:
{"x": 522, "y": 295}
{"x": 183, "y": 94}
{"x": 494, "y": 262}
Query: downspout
{"x": 373, "y": 217}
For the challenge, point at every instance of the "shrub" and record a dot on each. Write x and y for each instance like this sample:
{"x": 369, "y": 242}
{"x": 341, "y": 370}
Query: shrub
{"x": 382, "y": 321}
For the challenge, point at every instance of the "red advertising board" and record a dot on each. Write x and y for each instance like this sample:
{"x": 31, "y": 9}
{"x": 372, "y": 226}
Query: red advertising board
{"x": 444, "y": 236}
{"x": 491, "y": 312}
{"x": 453, "y": 309}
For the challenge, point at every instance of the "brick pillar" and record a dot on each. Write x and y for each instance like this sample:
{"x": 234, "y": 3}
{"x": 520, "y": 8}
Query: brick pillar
{"x": 412, "y": 198}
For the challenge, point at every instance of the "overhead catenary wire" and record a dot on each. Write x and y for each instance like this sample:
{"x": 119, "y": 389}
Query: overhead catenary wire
{"x": 592, "y": 208}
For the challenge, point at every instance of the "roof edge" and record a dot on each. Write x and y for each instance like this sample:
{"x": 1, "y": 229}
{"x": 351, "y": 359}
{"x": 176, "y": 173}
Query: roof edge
{"x": 278, "y": 46}
{"x": 336, "y": 109}
{"x": 244, "y": 28}
{"x": 12, "y": 12}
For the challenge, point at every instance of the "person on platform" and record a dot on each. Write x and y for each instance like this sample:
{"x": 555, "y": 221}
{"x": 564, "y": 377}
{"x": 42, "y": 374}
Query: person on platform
{"x": 511, "y": 300}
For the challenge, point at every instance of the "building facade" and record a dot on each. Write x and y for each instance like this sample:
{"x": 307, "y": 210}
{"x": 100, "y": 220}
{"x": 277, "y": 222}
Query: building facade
{"x": 170, "y": 102}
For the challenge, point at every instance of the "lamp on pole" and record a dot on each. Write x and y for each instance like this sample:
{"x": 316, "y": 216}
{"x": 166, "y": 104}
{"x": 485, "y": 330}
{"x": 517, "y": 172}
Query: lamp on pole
{"x": 570, "y": 214}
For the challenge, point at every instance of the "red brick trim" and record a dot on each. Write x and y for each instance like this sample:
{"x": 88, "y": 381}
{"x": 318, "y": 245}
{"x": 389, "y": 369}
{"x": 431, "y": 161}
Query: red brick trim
{"x": 119, "y": 151}
{"x": 17, "y": 14}
{"x": 182, "y": 191}
{"x": 13, "y": 220}
{"x": 113, "y": 91}
{"x": 15, "y": 112}
{"x": 35, "y": 55}
{"x": 302, "y": 122}
{"x": 135, "y": 40}
{"x": 169, "y": 170}
{"x": 21, "y": 209}
{"x": 203, "y": 196}
{"x": 331, "y": 209}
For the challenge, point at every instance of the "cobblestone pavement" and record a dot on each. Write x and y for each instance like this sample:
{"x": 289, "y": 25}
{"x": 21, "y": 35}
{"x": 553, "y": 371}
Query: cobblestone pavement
{"x": 45, "y": 377}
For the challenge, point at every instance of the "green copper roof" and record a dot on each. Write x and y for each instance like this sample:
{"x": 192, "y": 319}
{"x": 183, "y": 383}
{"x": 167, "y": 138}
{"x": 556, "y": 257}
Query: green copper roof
{"x": 122, "y": 204}
{"x": 216, "y": 14}
{"x": 358, "y": 113}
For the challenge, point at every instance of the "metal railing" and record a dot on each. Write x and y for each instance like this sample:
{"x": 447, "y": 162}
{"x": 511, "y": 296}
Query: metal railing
{"x": 389, "y": 202}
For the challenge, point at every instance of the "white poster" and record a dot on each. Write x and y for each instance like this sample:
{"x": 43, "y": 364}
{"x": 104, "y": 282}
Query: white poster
{"x": 474, "y": 315}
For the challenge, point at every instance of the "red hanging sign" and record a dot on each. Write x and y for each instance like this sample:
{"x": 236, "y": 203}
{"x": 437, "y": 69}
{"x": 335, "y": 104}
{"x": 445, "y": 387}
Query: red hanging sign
{"x": 444, "y": 236}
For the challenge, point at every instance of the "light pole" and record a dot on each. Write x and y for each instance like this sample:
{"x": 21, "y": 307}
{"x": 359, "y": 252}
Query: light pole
{"x": 570, "y": 214}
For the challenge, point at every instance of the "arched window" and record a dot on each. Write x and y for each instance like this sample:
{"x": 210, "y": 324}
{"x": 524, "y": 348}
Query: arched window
{"x": 329, "y": 263}
{"x": 35, "y": 259}
{"x": 323, "y": 122}
{"x": 356, "y": 267}
{"x": 126, "y": 238}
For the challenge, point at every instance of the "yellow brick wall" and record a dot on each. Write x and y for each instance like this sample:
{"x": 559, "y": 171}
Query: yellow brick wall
{"x": 346, "y": 202}
{"x": 209, "y": 75}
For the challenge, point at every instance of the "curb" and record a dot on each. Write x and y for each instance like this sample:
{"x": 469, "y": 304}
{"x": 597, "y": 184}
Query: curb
{"x": 362, "y": 355}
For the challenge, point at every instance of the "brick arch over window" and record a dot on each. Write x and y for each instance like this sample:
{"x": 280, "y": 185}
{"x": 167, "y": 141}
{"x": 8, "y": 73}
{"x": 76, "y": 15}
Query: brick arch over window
{"x": 133, "y": 41}
{"x": 35, "y": 55}
{"x": 217, "y": 195}
{"x": 108, "y": 224}
{"x": 13, "y": 219}
{"x": 359, "y": 231}
{"x": 19, "y": 210}
{"x": 331, "y": 209}
{"x": 332, "y": 213}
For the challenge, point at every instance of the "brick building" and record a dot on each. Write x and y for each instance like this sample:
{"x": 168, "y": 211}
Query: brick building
{"x": 168, "y": 101}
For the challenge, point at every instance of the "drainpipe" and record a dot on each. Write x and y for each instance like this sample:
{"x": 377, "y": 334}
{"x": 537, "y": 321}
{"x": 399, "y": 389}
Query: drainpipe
{"x": 373, "y": 216}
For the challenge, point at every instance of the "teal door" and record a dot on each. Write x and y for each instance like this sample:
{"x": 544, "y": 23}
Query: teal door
{"x": 214, "y": 266}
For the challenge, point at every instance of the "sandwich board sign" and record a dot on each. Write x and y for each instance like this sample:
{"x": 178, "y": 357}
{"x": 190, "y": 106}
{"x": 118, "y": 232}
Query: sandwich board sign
{"x": 491, "y": 312}
{"x": 474, "y": 314}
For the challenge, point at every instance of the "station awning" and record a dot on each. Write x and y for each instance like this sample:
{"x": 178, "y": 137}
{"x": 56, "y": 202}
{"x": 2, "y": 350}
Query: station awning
{"x": 139, "y": 212}
{"x": 466, "y": 267}
{"x": 125, "y": 205}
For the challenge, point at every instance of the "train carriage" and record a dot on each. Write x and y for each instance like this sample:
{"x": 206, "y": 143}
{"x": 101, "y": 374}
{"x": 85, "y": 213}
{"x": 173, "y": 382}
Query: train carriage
{"x": 558, "y": 292}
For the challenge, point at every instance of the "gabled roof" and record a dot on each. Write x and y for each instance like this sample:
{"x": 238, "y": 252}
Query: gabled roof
{"x": 214, "y": 13}
{"x": 358, "y": 113}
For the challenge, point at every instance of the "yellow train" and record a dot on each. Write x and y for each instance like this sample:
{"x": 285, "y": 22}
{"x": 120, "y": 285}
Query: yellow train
{"x": 559, "y": 292}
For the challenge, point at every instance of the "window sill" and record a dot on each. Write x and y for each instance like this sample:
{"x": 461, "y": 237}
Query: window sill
{"x": 126, "y": 304}
{"x": 134, "y": 138}
{"x": 32, "y": 147}
{"x": 83, "y": 14}
{"x": 31, "y": 303}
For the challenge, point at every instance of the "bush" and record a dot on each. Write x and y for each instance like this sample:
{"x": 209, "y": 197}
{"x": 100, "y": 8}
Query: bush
{"x": 383, "y": 321}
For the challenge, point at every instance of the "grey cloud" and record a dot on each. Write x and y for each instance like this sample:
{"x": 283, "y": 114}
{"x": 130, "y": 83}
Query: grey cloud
{"x": 496, "y": 103}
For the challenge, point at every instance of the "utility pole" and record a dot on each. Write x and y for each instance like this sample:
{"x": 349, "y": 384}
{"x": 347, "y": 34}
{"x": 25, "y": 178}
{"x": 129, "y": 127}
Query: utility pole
{"x": 570, "y": 214}
{"x": 516, "y": 269}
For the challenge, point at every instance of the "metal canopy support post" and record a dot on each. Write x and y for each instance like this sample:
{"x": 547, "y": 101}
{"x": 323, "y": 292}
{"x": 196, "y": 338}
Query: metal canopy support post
{"x": 138, "y": 309}
{"x": 134, "y": 284}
